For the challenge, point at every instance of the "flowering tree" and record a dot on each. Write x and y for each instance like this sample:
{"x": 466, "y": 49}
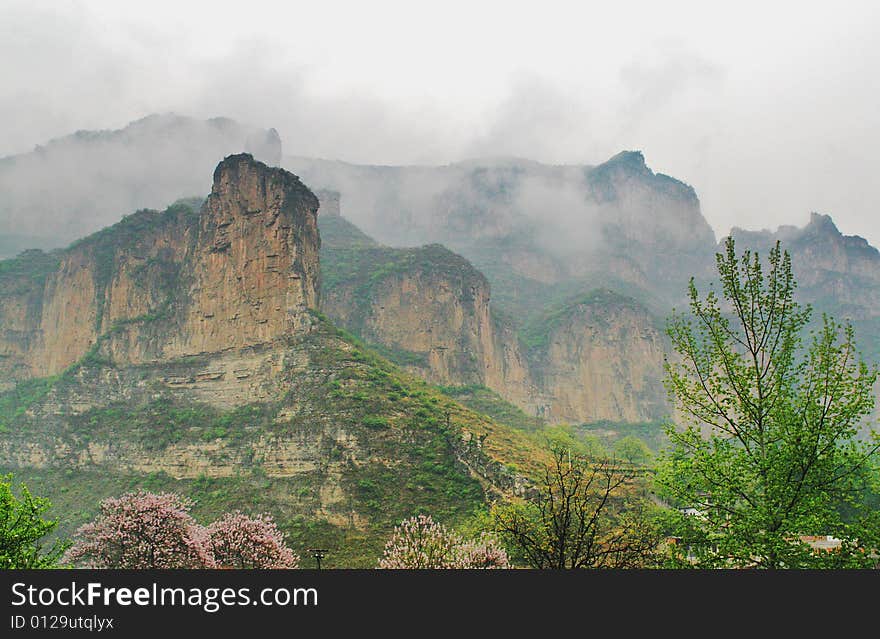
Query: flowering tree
{"x": 483, "y": 552}
{"x": 143, "y": 530}
{"x": 420, "y": 542}
{"x": 239, "y": 541}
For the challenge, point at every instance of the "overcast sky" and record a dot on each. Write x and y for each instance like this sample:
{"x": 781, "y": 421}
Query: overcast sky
{"x": 769, "y": 109}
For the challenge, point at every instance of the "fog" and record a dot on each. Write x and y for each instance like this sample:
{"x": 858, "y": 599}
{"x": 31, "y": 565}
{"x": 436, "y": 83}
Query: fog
{"x": 80, "y": 183}
{"x": 769, "y": 111}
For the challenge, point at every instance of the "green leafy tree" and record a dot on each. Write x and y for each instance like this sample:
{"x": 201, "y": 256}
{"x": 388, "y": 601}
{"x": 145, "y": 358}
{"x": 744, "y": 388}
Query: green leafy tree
{"x": 633, "y": 450}
{"x": 768, "y": 450}
{"x": 566, "y": 437}
{"x": 22, "y": 529}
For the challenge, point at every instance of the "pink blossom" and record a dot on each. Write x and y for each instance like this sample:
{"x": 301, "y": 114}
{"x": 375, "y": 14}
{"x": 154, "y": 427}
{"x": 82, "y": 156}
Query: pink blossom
{"x": 484, "y": 552}
{"x": 142, "y": 530}
{"x": 420, "y": 542}
{"x": 239, "y": 541}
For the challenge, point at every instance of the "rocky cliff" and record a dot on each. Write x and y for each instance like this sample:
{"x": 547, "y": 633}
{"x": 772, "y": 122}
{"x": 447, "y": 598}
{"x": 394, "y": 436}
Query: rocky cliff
{"x": 426, "y": 308}
{"x": 538, "y": 232}
{"x": 182, "y": 350}
{"x": 599, "y": 357}
{"x": 596, "y": 357}
{"x": 169, "y": 284}
{"x": 840, "y": 273}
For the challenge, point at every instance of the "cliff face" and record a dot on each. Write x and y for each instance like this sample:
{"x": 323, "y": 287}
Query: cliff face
{"x": 598, "y": 358}
{"x": 839, "y": 273}
{"x": 428, "y": 309}
{"x": 255, "y": 266}
{"x": 649, "y": 208}
{"x": 171, "y": 284}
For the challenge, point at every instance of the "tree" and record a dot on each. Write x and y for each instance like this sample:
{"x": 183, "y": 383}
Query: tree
{"x": 420, "y": 543}
{"x": 768, "y": 449}
{"x": 239, "y": 541}
{"x": 22, "y": 529}
{"x": 482, "y": 552}
{"x": 143, "y": 530}
{"x": 586, "y": 515}
{"x": 566, "y": 437}
{"x": 633, "y": 450}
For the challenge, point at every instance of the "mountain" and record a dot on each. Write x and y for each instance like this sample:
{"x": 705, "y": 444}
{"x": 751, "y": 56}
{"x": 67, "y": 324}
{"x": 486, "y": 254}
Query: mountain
{"x": 75, "y": 185}
{"x": 597, "y": 357}
{"x": 837, "y": 274}
{"x": 583, "y": 262}
{"x": 540, "y": 233}
{"x": 833, "y": 269}
{"x": 183, "y": 350}
{"x": 547, "y": 284}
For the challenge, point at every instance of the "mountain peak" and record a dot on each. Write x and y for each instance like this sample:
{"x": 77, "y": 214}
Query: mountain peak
{"x": 634, "y": 160}
{"x": 821, "y": 224}
{"x": 605, "y": 179}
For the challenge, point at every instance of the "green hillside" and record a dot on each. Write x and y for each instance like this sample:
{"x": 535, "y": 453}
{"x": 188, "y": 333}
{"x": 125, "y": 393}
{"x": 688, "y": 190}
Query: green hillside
{"x": 379, "y": 446}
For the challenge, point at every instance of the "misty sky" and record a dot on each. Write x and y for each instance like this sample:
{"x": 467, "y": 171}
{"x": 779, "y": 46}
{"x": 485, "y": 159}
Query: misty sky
{"x": 769, "y": 109}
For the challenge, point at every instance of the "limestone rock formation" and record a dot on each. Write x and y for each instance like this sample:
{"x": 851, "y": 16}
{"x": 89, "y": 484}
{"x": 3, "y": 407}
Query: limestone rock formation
{"x": 162, "y": 285}
{"x": 598, "y": 357}
{"x": 180, "y": 348}
{"x": 427, "y": 307}
{"x": 832, "y": 269}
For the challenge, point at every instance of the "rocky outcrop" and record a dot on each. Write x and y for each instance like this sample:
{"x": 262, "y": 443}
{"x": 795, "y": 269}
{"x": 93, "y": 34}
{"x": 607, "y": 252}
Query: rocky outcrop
{"x": 598, "y": 357}
{"x": 164, "y": 285}
{"x": 839, "y": 273}
{"x": 651, "y": 209}
{"x": 429, "y": 310}
{"x": 254, "y": 269}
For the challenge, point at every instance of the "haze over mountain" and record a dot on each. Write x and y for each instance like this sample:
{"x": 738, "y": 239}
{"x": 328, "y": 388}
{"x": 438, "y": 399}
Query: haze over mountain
{"x": 538, "y": 229}
{"x": 559, "y": 258}
{"x": 183, "y": 349}
{"x": 765, "y": 131}
{"x": 186, "y": 347}
{"x": 348, "y": 263}
{"x": 80, "y": 183}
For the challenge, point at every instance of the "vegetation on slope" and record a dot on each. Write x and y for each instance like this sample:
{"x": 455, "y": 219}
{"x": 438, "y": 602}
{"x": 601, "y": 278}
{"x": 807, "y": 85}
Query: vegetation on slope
{"x": 487, "y": 402}
{"x": 406, "y": 460}
{"x": 536, "y": 335}
{"x": 27, "y": 272}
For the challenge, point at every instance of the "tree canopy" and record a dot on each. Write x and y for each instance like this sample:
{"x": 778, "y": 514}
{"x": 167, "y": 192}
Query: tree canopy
{"x": 767, "y": 452}
{"x": 588, "y": 513}
{"x": 23, "y": 528}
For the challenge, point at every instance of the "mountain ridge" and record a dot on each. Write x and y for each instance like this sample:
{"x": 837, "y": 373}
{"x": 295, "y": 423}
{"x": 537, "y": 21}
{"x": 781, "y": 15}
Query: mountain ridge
{"x": 186, "y": 352}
